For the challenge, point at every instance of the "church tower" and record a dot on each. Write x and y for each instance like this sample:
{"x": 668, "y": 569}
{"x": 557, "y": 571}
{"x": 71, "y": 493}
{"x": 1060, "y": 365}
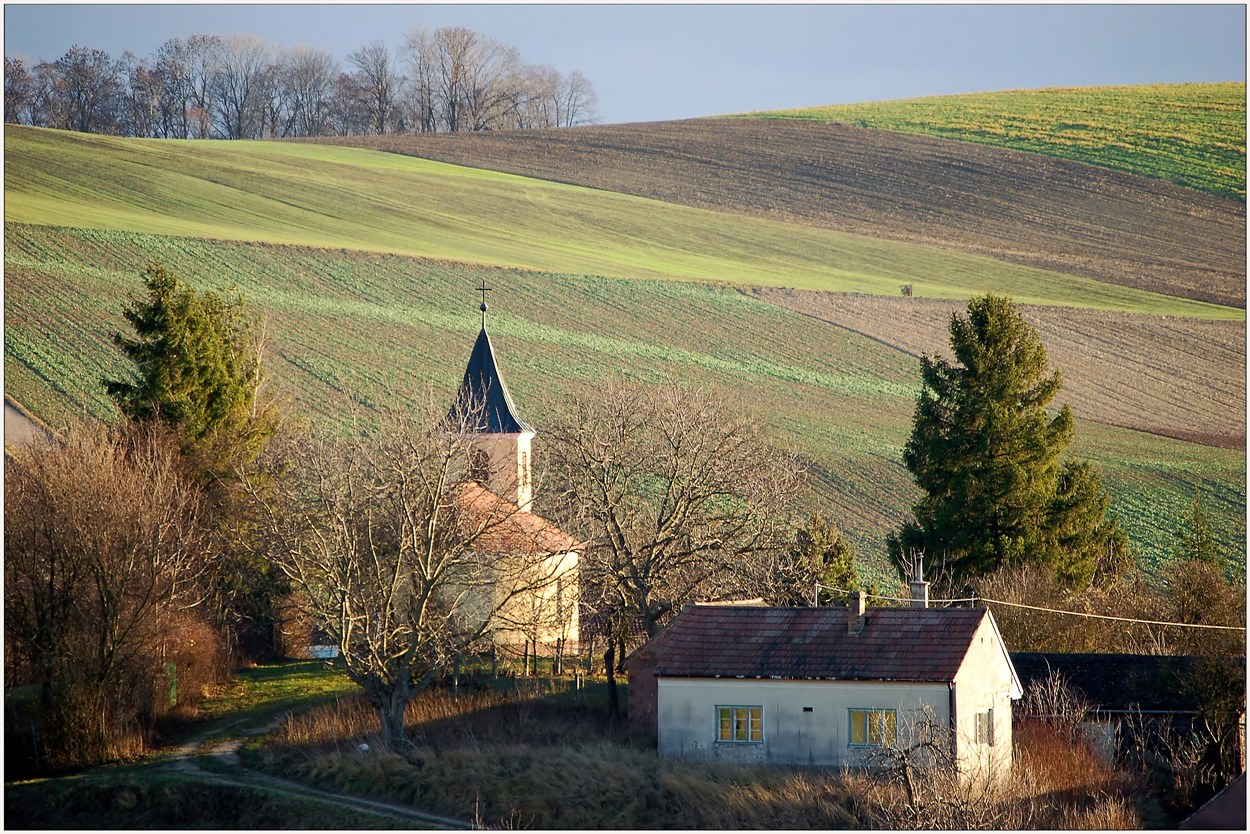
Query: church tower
{"x": 500, "y": 456}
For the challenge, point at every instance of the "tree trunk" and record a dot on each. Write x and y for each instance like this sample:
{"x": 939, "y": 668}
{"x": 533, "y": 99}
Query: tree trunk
{"x": 390, "y": 702}
{"x": 609, "y": 663}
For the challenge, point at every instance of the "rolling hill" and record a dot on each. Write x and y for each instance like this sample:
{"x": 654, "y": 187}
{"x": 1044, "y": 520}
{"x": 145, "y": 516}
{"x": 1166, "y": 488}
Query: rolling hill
{"x": 1193, "y": 135}
{"x": 363, "y": 261}
{"x": 1017, "y": 208}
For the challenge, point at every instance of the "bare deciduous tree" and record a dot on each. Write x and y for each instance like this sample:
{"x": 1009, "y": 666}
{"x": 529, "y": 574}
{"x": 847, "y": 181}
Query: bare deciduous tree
{"x": 670, "y": 491}
{"x": 397, "y": 558}
{"x": 103, "y": 546}
{"x": 378, "y": 80}
{"x": 236, "y": 81}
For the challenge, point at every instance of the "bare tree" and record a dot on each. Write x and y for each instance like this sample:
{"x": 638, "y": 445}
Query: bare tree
{"x": 236, "y": 82}
{"x": 378, "y": 81}
{"x": 19, "y": 89}
{"x": 307, "y": 77}
{"x": 578, "y": 103}
{"x": 87, "y": 88}
{"x": 102, "y": 547}
{"x": 402, "y": 562}
{"x": 670, "y": 491}
{"x": 420, "y": 52}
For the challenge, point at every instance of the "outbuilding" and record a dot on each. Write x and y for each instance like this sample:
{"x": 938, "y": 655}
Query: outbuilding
{"x": 825, "y": 686}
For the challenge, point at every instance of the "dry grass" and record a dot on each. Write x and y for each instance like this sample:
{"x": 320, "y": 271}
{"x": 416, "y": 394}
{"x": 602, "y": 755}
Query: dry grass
{"x": 530, "y": 763}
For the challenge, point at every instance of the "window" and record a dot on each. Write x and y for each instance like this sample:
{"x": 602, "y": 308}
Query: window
{"x": 479, "y": 466}
{"x": 985, "y": 726}
{"x": 872, "y": 727}
{"x": 740, "y": 724}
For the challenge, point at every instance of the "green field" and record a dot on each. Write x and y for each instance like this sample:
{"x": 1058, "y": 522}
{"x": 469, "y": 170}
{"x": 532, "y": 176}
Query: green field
{"x": 351, "y": 328}
{"x": 352, "y": 199}
{"x": 1193, "y": 135}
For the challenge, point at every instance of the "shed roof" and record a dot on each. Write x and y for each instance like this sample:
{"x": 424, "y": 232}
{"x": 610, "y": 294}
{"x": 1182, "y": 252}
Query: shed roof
{"x": 904, "y": 644}
{"x": 483, "y": 401}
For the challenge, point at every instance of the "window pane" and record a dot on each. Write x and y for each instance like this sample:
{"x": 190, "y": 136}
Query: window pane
{"x": 740, "y": 724}
{"x": 889, "y": 727}
{"x": 724, "y": 735}
{"x": 757, "y": 730}
{"x": 859, "y": 734}
{"x": 874, "y": 728}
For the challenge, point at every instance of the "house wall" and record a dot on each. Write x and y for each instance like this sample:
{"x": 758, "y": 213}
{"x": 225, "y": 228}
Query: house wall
{"x": 687, "y": 718}
{"x": 984, "y": 682}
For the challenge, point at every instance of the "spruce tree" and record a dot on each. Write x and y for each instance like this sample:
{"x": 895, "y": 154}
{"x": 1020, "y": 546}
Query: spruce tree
{"x": 198, "y": 366}
{"x": 988, "y": 457}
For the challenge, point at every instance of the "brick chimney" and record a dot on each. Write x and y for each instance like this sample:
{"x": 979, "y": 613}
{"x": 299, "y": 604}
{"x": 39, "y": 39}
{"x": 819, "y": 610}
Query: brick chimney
{"x": 919, "y": 588}
{"x": 855, "y": 612}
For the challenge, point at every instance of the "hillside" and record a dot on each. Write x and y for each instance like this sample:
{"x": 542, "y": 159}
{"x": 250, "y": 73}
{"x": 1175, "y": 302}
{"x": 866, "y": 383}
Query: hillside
{"x": 1181, "y": 378}
{"x": 1017, "y": 208}
{"x": 282, "y": 192}
{"x": 349, "y": 329}
{"x": 1193, "y": 135}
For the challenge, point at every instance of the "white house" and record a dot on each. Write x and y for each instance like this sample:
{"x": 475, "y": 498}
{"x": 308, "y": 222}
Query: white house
{"x": 824, "y": 686}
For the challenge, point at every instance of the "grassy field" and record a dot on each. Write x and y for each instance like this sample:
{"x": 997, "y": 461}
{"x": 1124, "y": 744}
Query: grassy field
{"x": 352, "y": 199}
{"x": 1193, "y": 135}
{"x": 354, "y": 329}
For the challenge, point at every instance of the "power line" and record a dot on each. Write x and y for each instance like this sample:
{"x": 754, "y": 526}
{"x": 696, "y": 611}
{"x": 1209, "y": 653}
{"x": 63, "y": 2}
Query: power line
{"x": 1040, "y": 608}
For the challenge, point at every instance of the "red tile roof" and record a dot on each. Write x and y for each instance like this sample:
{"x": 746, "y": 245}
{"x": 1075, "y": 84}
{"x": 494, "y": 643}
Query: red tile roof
{"x": 507, "y": 529}
{"x": 905, "y": 644}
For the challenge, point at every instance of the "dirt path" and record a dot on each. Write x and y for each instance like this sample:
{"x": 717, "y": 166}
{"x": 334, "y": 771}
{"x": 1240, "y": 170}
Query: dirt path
{"x": 221, "y": 754}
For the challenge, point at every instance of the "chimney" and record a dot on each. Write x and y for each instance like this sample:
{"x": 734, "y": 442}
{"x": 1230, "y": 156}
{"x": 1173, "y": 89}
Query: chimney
{"x": 919, "y": 588}
{"x": 855, "y": 612}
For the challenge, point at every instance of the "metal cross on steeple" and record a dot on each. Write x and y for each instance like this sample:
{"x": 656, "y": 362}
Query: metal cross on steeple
{"x": 483, "y": 290}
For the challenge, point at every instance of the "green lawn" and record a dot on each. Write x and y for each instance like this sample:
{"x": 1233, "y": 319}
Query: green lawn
{"x": 343, "y": 198}
{"x": 1191, "y": 134}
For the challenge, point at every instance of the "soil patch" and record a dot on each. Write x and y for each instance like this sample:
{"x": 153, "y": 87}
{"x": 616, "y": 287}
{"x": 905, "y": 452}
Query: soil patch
{"x": 1018, "y": 207}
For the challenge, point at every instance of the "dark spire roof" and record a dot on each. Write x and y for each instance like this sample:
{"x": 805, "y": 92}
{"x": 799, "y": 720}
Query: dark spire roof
{"x": 484, "y": 385}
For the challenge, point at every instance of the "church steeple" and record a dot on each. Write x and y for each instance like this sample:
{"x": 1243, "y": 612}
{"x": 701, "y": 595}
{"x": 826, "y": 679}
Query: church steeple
{"x": 484, "y": 410}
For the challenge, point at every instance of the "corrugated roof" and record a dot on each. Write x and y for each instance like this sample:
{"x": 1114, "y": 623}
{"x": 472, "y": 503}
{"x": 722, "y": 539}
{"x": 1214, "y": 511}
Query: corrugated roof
{"x": 483, "y": 387}
{"x": 906, "y": 644}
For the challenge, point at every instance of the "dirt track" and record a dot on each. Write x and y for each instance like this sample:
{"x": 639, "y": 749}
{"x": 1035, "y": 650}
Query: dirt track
{"x": 1009, "y": 205}
{"x": 1177, "y": 377}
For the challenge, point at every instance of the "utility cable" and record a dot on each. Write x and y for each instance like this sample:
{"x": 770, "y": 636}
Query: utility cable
{"x": 1040, "y": 608}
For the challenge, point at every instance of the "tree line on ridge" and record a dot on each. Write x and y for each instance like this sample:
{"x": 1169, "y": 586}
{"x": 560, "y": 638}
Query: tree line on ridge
{"x": 445, "y": 80}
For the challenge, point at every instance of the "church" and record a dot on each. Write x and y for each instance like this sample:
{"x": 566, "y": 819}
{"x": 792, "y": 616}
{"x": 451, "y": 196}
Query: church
{"x": 543, "y": 622}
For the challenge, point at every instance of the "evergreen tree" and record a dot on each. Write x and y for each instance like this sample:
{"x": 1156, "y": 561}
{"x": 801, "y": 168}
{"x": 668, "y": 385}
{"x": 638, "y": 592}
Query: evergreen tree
{"x": 197, "y": 358}
{"x": 198, "y": 363}
{"x": 988, "y": 457}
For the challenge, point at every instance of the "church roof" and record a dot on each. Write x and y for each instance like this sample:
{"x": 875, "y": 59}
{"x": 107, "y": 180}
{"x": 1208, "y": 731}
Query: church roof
{"x": 483, "y": 391}
{"x": 505, "y": 527}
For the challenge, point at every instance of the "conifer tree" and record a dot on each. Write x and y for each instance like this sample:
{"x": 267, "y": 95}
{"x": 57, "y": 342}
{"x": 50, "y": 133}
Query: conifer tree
{"x": 198, "y": 363}
{"x": 987, "y": 455}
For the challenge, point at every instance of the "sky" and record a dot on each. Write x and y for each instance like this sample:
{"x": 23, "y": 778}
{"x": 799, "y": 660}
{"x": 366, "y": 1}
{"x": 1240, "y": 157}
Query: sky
{"x": 660, "y": 62}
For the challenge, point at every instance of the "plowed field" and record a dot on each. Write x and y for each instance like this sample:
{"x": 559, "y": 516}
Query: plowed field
{"x": 1178, "y": 377}
{"x": 1018, "y": 207}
